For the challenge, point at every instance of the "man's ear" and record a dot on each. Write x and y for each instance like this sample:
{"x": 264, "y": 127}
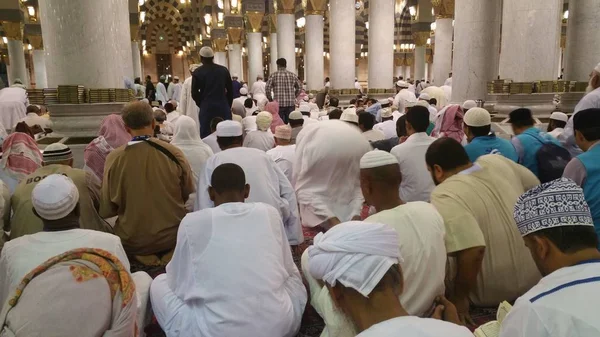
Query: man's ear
{"x": 212, "y": 193}
{"x": 246, "y": 191}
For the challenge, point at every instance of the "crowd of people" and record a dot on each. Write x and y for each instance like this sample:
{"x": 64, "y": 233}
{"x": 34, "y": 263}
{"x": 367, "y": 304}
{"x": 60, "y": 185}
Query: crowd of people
{"x": 236, "y": 211}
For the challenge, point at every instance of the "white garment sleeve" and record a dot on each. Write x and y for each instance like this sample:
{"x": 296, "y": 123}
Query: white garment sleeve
{"x": 523, "y": 321}
{"x": 180, "y": 275}
{"x": 202, "y": 198}
{"x": 289, "y": 209}
{"x": 120, "y": 252}
{"x": 4, "y": 278}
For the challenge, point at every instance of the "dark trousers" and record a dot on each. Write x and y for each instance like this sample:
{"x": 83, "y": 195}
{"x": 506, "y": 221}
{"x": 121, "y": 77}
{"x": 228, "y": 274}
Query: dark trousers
{"x": 284, "y": 112}
{"x": 209, "y": 111}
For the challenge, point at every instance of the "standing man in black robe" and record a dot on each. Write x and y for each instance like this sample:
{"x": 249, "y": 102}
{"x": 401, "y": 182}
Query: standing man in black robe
{"x": 211, "y": 90}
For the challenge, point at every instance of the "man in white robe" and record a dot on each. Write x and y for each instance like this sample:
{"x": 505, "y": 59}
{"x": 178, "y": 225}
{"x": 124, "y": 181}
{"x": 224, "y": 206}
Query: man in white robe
{"x": 243, "y": 97}
{"x": 188, "y": 106}
{"x": 259, "y": 89}
{"x": 387, "y": 125}
{"x": 360, "y": 264}
{"x": 270, "y": 184}
{"x": 232, "y": 273}
{"x": 420, "y": 231}
{"x": 555, "y": 222}
{"x": 174, "y": 91}
{"x": 404, "y": 94}
{"x": 161, "y": 91}
{"x": 13, "y": 104}
{"x": 283, "y": 153}
{"x": 590, "y": 101}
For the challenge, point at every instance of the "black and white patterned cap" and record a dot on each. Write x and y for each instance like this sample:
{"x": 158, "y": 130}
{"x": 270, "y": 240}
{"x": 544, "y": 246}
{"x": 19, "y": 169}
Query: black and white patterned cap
{"x": 554, "y": 204}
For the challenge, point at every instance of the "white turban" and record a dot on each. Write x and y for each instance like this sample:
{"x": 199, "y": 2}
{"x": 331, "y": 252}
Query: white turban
{"x": 264, "y": 120}
{"x": 356, "y": 253}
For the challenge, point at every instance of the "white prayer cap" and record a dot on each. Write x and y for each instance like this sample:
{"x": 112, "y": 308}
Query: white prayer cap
{"x": 163, "y": 77}
{"x": 559, "y": 116}
{"x": 409, "y": 104}
{"x": 283, "y": 132}
{"x": 207, "y": 52}
{"x": 304, "y": 108}
{"x": 349, "y": 117}
{"x": 57, "y": 152}
{"x": 425, "y": 96}
{"x": 386, "y": 113}
{"x": 295, "y": 115}
{"x": 477, "y": 117}
{"x": 402, "y": 84}
{"x": 263, "y": 120}
{"x": 377, "y": 158}
{"x": 422, "y": 103}
{"x": 235, "y": 76}
{"x": 229, "y": 129}
{"x": 55, "y": 197}
{"x": 355, "y": 253}
{"x": 243, "y": 91}
{"x": 176, "y": 78}
{"x": 597, "y": 69}
{"x": 193, "y": 67}
{"x": 469, "y": 104}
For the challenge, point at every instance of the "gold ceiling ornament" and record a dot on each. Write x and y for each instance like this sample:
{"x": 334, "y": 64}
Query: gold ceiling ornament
{"x": 134, "y": 32}
{"x": 420, "y": 38}
{"x": 254, "y": 21}
{"x": 13, "y": 30}
{"x": 315, "y": 7}
{"x": 36, "y": 41}
{"x": 286, "y": 6}
{"x": 220, "y": 44}
{"x": 444, "y": 9}
{"x": 234, "y": 34}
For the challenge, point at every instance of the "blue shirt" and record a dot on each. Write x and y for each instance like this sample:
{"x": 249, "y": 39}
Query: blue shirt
{"x": 527, "y": 145}
{"x": 480, "y": 146}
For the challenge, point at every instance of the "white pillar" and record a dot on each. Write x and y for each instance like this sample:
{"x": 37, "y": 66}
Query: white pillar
{"x": 87, "y": 42}
{"x": 286, "y": 40}
{"x": 420, "y": 62}
{"x": 315, "y": 64}
{"x": 221, "y": 58}
{"x": 399, "y": 71}
{"x": 426, "y": 77}
{"x": 407, "y": 73}
{"x": 39, "y": 66}
{"x": 381, "y": 44}
{"x": 273, "y": 52}
{"x": 530, "y": 39}
{"x": 17, "y": 62}
{"x": 235, "y": 59}
{"x": 342, "y": 37}
{"x": 442, "y": 56}
{"x": 137, "y": 60}
{"x": 583, "y": 40}
{"x": 476, "y": 48}
{"x": 255, "y": 60}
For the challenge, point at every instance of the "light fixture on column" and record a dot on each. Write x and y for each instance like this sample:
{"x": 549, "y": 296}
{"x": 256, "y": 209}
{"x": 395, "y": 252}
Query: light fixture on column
{"x": 220, "y": 19}
{"x": 301, "y": 22}
{"x": 394, "y": 47}
{"x": 5, "y": 39}
{"x": 428, "y": 41}
{"x": 207, "y": 31}
{"x": 145, "y": 52}
{"x": 180, "y": 53}
{"x": 433, "y": 26}
{"x": 234, "y": 6}
{"x": 207, "y": 19}
{"x": 142, "y": 16}
{"x": 144, "y": 43}
{"x": 413, "y": 11}
{"x": 566, "y": 15}
{"x": 141, "y": 2}
{"x": 31, "y": 10}
{"x": 367, "y": 25}
{"x": 220, "y": 4}
{"x": 184, "y": 48}
{"x": 29, "y": 47}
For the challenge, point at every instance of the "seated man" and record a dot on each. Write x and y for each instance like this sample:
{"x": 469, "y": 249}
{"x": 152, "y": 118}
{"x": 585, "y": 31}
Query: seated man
{"x": 360, "y": 264}
{"x": 34, "y": 117}
{"x": 420, "y": 231}
{"x": 232, "y": 273}
{"x": 488, "y": 262}
{"x": 557, "y": 227}
{"x": 365, "y": 123}
{"x": 297, "y": 123}
{"x": 270, "y": 184}
{"x": 283, "y": 153}
{"x": 146, "y": 183}
{"x": 482, "y": 141}
{"x": 57, "y": 159}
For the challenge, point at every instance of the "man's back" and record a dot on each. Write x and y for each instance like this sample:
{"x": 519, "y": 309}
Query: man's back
{"x": 477, "y": 207}
{"x": 24, "y": 222}
{"x": 148, "y": 191}
{"x": 416, "y": 180}
{"x": 285, "y": 85}
{"x": 528, "y": 144}
{"x": 480, "y": 146}
{"x": 212, "y": 82}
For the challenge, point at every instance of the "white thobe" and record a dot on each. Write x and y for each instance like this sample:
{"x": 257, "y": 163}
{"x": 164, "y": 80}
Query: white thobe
{"x": 211, "y": 140}
{"x": 261, "y": 140}
{"x": 161, "y": 93}
{"x": 564, "y": 303}
{"x": 259, "y": 90}
{"x": 174, "y": 91}
{"x": 172, "y": 117}
{"x": 188, "y": 105}
{"x": 249, "y": 124}
{"x": 267, "y": 182}
{"x": 388, "y": 128}
{"x": 421, "y": 233}
{"x": 13, "y": 105}
{"x": 241, "y": 99}
{"x": 232, "y": 274}
{"x": 33, "y": 119}
{"x": 556, "y": 132}
{"x": 374, "y": 135}
{"x": 417, "y": 184}
{"x": 404, "y": 95}
{"x": 567, "y": 138}
{"x": 411, "y": 326}
{"x": 283, "y": 156}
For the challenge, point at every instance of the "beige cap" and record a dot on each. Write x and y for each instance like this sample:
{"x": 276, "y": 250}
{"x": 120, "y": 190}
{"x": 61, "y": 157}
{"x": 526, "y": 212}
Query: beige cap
{"x": 469, "y": 104}
{"x": 477, "y": 117}
{"x": 283, "y": 132}
{"x": 295, "y": 115}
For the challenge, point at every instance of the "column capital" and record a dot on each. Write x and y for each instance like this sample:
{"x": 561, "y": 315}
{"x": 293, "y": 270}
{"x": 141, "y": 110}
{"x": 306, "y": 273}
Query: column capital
{"x": 444, "y": 9}
{"x": 285, "y": 6}
{"x": 36, "y": 41}
{"x": 315, "y": 7}
{"x": 13, "y": 30}
{"x": 272, "y": 23}
{"x": 134, "y": 31}
{"x": 234, "y": 34}
{"x": 254, "y": 21}
{"x": 420, "y": 38}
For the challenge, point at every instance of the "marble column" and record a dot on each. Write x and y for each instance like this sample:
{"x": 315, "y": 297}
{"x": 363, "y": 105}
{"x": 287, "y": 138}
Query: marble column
{"x": 381, "y": 44}
{"x": 137, "y": 60}
{"x": 530, "y": 39}
{"x": 234, "y": 52}
{"x": 407, "y": 73}
{"x": 39, "y": 67}
{"x": 18, "y": 68}
{"x": 315, "y": 63}
{"x": 342, "y": 37}
{"x": 476, "y": 48}
{"x": 442, "y": 56}
{"x": 221, "y": 58}
{"x": 583, "y": 39}
{"x": 286, "y": 40}
{"x": 273, "y": 52}
{"x": 420, "y": 62}
{"x": 87, "y": 42}
{"x": 399, "y": 71}
{"x": 219, "y": 44}
{"x": 255, "y": 61}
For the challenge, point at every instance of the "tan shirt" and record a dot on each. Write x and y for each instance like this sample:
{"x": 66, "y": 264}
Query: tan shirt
{"x": 148, "y": 191}
{"x": 477, "y": 208}
{"x": 24, "y": 222}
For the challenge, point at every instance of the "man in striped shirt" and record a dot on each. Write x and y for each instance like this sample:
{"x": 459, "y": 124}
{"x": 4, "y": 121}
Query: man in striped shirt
{"x": 286, "y": 86}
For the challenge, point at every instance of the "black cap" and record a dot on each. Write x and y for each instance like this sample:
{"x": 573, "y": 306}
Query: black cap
{"x": 522, "y": 116}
